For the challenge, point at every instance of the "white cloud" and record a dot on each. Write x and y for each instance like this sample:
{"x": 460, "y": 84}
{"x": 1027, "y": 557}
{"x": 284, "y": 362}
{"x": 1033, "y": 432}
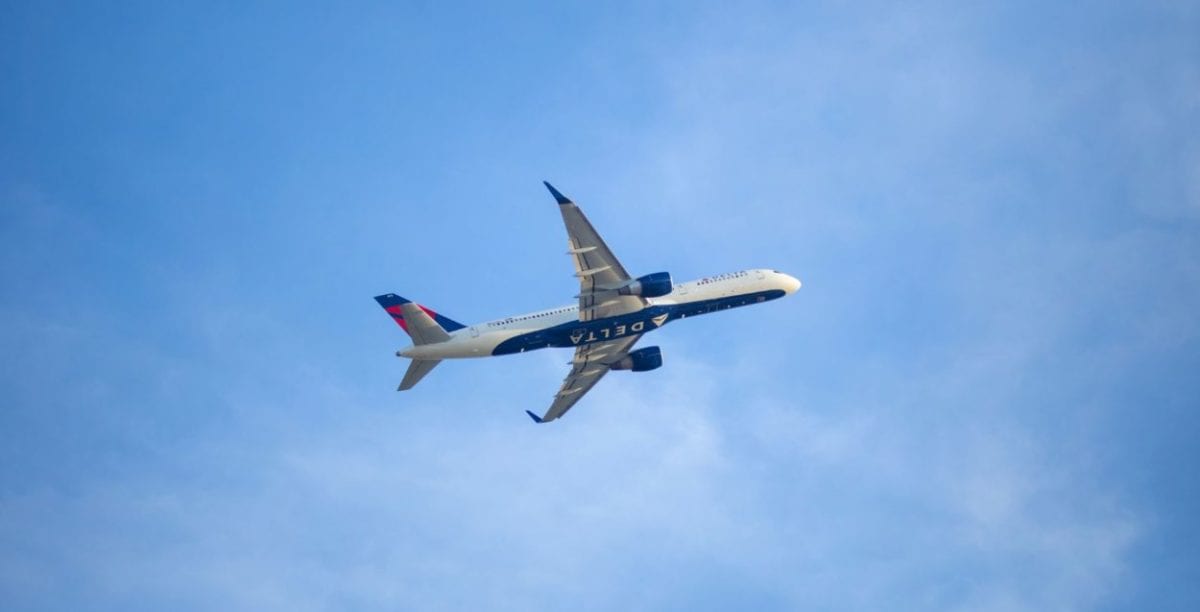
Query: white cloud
{"x": 655, "y": 476}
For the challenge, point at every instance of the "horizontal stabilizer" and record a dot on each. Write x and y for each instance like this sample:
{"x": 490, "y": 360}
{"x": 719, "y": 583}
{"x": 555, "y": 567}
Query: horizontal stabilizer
{"x": 416, "y": 371}
{"x": 421, "y": 326}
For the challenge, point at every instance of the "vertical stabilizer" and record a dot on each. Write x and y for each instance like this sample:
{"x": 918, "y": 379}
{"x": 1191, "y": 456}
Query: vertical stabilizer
{"x": 393, "y": 304}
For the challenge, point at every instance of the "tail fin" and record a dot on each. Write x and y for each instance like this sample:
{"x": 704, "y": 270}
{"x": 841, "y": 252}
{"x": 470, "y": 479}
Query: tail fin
{"x": 424, "y": 326}
{"x": 392, "y": 303}
{"x": 416, "y": 371}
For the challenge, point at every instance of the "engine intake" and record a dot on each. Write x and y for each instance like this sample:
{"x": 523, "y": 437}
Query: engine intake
{"x": 650, "y": 285}
{"x": 641, "y": 360}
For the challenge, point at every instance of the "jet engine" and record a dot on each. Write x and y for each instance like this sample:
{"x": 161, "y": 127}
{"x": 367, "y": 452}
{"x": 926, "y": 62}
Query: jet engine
{"x": 641, "y": 360}
{"x": 650, "y": 285}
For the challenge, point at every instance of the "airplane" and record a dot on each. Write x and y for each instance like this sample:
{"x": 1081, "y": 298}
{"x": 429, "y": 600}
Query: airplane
{"x": 613, "y": 312}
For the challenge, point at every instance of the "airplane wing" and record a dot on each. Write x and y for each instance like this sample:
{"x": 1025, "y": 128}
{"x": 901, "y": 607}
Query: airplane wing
{"x": 599, "y": 271}
{"x": 591, "y": 363}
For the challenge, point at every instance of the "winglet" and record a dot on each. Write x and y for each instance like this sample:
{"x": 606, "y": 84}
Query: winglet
{"x": 536, "y": 418}
{"x": 558, "y": 196}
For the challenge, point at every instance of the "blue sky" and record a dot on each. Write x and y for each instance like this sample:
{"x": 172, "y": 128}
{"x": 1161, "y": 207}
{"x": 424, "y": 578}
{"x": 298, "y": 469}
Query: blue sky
{"x": 985, "y": 397}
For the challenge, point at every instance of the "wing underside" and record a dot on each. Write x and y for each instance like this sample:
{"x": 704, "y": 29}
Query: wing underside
{"x": 599, "y": 271}
{"x": 590, "y": 364}
{"x": 600, "y": 276}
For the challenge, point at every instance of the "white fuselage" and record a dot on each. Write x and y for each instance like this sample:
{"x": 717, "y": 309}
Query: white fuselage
{"x": 719, "y": 292}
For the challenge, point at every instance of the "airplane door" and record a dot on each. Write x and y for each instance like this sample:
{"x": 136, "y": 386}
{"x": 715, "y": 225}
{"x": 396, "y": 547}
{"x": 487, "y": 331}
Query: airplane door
{"x": 474, "y": 332}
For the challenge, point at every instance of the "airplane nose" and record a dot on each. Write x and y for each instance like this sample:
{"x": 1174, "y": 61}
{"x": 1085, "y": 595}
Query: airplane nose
{"x": 790, "y": 284}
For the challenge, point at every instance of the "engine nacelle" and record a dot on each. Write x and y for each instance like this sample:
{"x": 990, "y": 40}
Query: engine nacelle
{"x": 641, "y": 360}
{"x": 650, "y": 285}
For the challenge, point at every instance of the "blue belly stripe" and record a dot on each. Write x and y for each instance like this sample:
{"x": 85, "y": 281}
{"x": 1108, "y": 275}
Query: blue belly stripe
{"x": 577, "y": 333}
